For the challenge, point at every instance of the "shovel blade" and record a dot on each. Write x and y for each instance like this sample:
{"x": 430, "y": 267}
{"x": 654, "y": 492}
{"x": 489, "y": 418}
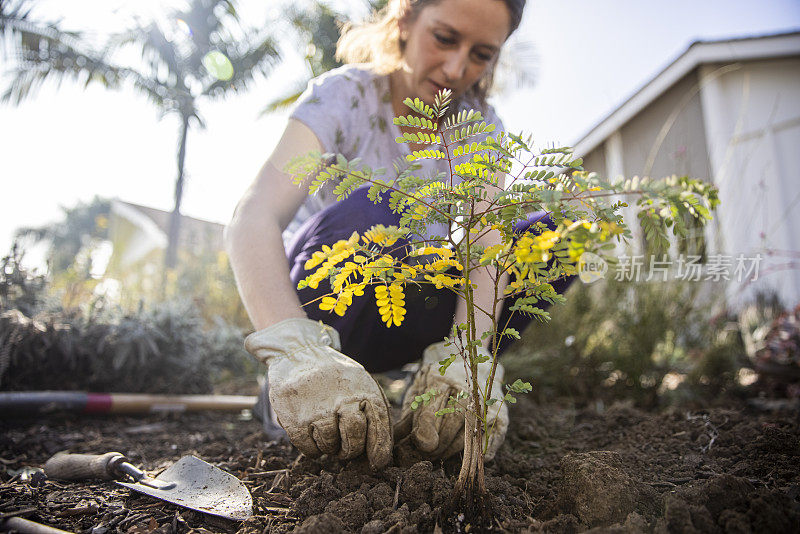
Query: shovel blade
{"x": 201, "y": 486}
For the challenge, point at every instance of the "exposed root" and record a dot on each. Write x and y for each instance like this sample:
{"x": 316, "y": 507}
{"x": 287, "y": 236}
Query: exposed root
{"x": 469, "y": 511}
{"x": 471, "y": 504}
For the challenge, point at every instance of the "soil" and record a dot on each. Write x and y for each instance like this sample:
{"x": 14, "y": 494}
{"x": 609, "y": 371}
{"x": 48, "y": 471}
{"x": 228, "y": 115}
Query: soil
{"x": 561, "y": 469}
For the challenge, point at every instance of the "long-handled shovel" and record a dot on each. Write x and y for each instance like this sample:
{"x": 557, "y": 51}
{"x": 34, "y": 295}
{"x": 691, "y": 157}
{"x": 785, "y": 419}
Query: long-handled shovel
{"x": 190, "y": 482}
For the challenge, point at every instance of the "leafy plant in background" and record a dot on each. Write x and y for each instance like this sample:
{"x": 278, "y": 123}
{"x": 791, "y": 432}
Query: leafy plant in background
{"x": 205, "y": 278}
{"x": 202, "y": 276}
{"x": 163, "y": 348}
{"x": 654, "y": 342}
{"x": 56, "y": 333}
{"x": 70, "y": 239}
{"x": 481, "y": 212}
{"x": 317, "y": 26}
{"x": 19, "y": 288}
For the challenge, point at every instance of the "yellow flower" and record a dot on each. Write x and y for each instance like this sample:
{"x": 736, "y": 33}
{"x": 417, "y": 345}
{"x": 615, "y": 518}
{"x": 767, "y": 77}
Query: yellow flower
{"x": 442, "y": 280}
{"x": 444, "y": 252}
{"x": 348, "y": 269}
{"x": 547, "y": 239}
{"x": 381, "y": 235}
{"x": 339, "y": 306}
{"x": 391, "y": 304}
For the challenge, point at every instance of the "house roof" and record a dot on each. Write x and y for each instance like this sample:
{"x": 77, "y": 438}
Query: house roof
{"x": 190, "y": 226}
{"x": 699, "y": 53}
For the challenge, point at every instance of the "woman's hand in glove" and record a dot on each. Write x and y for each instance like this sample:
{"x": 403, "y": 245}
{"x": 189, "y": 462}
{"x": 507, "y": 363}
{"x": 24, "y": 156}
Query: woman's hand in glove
{"x": 327, "y": 403}
{"x": 443, "y": 436}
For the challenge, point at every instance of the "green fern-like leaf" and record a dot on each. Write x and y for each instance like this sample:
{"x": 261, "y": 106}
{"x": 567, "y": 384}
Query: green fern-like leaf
{"x": 461, "y": 118}
{"x": 414, "y": 121}
{"x": 465, "y": 149}
{"x": 425, "y": 154}
{"x": 420, "y": 107}
{"x": 471, "y": 130}
{"x": 348, "y": 184}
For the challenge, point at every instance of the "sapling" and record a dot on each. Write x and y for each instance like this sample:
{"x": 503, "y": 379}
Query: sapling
{"x": 494, "y": 181}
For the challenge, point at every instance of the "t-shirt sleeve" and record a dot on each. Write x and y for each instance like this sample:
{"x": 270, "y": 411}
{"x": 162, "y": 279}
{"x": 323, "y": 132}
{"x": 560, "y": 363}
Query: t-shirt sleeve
{"x": 322, "y": 108}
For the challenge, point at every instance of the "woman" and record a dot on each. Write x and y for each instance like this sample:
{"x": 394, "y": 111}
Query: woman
{"x": 318, "y": 385}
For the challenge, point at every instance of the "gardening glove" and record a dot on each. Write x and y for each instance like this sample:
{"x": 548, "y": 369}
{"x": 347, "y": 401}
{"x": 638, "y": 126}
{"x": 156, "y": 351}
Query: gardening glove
{"x": 327, "y": 403}
{"x": 441, "y": 437}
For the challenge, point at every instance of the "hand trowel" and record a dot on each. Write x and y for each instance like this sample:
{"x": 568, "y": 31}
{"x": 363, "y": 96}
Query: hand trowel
{"x": 190, "y": 482}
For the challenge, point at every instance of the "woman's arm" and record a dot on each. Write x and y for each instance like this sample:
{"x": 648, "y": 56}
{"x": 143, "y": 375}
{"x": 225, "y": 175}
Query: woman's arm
{"x": 253, "y": 237}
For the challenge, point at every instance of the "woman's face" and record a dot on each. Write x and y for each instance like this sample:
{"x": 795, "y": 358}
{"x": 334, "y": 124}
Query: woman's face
{"x": 450, "y": 44}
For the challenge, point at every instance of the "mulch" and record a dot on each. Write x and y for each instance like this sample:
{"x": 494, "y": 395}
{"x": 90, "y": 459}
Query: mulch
{"x": 730, "y": 468}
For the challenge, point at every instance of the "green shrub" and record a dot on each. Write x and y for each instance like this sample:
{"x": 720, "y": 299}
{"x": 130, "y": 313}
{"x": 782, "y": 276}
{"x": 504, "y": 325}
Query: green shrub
{"x": 642, "y": 341}
{"x": 164, "y": 347}
{"x": 19, "y": 288}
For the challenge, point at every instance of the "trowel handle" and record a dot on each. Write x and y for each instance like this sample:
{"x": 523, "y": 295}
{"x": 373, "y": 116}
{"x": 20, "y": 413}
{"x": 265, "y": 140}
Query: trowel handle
{"x": 65, "y": 466}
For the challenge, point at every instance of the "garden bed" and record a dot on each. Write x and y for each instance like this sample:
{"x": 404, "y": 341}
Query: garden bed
{"x": 561, "y": 469}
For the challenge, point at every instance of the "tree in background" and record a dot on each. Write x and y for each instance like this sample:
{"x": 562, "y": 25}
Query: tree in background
{"x": 85, "y": 247}
{"x": 200, "y": 53}
{"x": 319, "y": 26}
{"x": 69, "y": 238}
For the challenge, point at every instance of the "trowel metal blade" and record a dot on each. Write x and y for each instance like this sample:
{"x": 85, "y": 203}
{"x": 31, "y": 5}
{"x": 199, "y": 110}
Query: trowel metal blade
{"x": 202, "y": 487}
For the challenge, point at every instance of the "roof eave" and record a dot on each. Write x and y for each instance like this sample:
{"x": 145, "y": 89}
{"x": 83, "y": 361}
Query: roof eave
{"x": 698, "y": 53}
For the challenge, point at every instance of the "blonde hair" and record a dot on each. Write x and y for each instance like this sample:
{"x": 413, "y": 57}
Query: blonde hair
{"x": 377, "y": 41}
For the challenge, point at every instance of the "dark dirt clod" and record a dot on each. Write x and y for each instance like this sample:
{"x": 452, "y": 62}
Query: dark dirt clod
{"x": 326, "y": 523}
{"x": 316, "y": 497}
{"x": 561, "y": 470}
{"x": 596, "y": 489}
{"x": 353, "y": 509}
{"x": 417, "y": 483}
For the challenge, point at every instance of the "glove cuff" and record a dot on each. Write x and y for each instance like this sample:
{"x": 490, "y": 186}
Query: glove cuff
{"x": 285, "y": 337}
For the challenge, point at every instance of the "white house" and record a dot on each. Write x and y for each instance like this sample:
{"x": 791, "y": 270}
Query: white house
{"x": 138, "y": 236}
{"x": 727, "y": 112}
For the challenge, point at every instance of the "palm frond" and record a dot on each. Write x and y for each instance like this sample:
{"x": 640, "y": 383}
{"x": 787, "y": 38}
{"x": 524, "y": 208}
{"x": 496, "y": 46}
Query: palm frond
{"x": 259, "y": 58}
{"x": 285, "y": 101}
{"x": 321, "y": 27}
{"x": 53, "y": 59}
{"x": 208, "y": 20}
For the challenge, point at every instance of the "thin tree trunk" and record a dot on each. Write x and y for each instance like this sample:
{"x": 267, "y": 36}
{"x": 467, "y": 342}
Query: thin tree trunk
{"x": 171, "y": 257}
{"x": 470, "y": 503}
{"x": 469, "y": 493}
{"x": 471, "y": 479}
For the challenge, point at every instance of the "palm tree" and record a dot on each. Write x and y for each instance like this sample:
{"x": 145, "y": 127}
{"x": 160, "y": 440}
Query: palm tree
{"x": 202, "y": 52}
{"x": 318, "y": 25}
{"x": 40, "y": 48}
{"x": 81, "y": 225}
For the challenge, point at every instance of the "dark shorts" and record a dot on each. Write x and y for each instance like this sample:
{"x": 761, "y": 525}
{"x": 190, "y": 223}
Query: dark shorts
{"x": 430, "y": 312}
